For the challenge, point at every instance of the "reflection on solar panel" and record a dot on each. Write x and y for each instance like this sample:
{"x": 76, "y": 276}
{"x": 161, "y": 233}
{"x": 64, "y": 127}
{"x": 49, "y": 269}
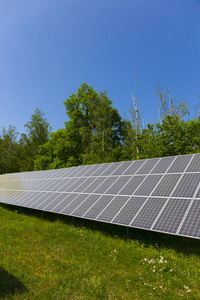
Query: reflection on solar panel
{"x": 160, "y": 194}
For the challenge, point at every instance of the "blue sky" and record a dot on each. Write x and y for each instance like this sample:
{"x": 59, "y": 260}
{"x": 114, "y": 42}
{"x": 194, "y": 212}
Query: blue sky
{"x": 48, "y": 48}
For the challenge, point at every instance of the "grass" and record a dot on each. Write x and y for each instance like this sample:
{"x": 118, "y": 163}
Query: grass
{"x": 53, "y": 257}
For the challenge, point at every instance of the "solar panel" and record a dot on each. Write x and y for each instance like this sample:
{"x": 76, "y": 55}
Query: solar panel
{"x": 98, "y": 206}
{"x": 171, "y": 216}
{"x": 160, "y": 194}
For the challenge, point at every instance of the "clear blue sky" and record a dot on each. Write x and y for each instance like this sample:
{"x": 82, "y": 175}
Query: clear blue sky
{"x": 49, "y": 47}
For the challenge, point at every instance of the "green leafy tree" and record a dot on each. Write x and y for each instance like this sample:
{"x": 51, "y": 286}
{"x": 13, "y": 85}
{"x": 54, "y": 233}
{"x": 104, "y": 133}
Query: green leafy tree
{"x": 9, "y": 150}
{"x": 38, "y": 133}
{"x": 95, "y": 127}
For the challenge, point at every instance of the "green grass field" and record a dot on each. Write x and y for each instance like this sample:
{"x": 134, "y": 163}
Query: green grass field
{"x": 45, "y": 256}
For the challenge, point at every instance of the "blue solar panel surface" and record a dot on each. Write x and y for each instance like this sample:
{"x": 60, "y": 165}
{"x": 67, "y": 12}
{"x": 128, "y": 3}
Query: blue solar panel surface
{"x": 160, "y": 194}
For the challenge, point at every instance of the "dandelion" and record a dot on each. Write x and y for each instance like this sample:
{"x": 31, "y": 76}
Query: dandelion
{"x": 171, "y": 270}
{"x": 188, "y": 291}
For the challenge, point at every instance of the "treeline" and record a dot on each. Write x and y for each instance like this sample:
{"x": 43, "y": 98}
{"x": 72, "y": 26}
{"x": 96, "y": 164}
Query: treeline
{"x": 96, "y": 133}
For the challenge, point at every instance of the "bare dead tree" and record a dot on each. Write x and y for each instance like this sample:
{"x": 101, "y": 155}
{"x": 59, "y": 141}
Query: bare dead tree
{"x": 136, "y": 115}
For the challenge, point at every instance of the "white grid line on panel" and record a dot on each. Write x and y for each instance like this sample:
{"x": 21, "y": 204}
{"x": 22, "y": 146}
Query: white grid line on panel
{"x": 48, "y": 198}
{"x": 69, "y": 202}
{"x": 188, "y": 209}
{"x": 22, "y": 202}
{"x": 104, "y": 192}
{"x": 158, "y": 159}
{"x": 82, "y": 169}
{"x": 158, "y": 216}
{"x": 77, "y": 186}
{"x": 146, "y": 177}
{"x": 82, "y": 202}
{"x": 138, "y": 168}
{"x": 48, "y": 194}
{"x": 61, "y": 201}
{"x": 95, "y": 189}
{"x": 130, "y": 177}
{"x": 149, "y": 195}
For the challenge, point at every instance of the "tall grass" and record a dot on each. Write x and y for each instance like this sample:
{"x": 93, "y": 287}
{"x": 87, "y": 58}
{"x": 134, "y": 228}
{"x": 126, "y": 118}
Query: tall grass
{"x": 47, "y": 256}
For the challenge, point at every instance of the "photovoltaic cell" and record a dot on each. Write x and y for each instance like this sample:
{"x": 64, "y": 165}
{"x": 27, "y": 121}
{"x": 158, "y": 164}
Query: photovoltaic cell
{"x": 74, "y": 171}
{"x": 187, "y": 186}
{"x": 180, "y": 164}
{"x": 54, "y": 184}
{"x": 16, "y": 196}
{"x": 97, "y": 208}
{"x": 57, "y": 200}
{"x": 85, "y": 184}
{"x": 91, "y": 170}
{"x": 163, "y": 165}
{"x": 198, "y": 193}
{"x": 74, "y": 204}
{"x": 128, "y": 212}
{"x": 47, "y": 201}
{"x": 191, "y": 225}
{"x": 148, "y": 166}
{"x": 112, "y": 209}
{"x": 132, "y": 185}
{"x": 3, "y": 184}
{"x": 59, "y": 184}
{"x": 46, "y": 185}
{"x": 37, "y": 200}
{"x": 85, "y": 205}
{"x": 5, "y": 196}
{"x": 94, "y": 185}
{"x": 105, "y": 185}
{"x": 100, "y": 170}
{"x": 30, "y": 198}
{"x": 67, "y": 184}
{"x": 68, "y": 198}
{"x": 35, "y": 184}
{"x": 194, "y": 166}
{"x": 84, "y": 170}
{"x": 172, "y": 215}
{"x": 132, "y": 169}
{"x": 124, "y": 166}
{"x": 149, "y": 212}
{"x": 110, "y": 169}
{"x": 166, "y": 185}
{"x": 147, "y": 186}
{"x": 76, "y": 184}
{"x": 24, "y": 197}
{"x": 118, "y": 185}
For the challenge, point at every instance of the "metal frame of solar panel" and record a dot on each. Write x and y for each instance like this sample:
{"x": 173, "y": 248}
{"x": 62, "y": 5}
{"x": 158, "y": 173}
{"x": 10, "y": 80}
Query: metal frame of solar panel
{"x": 160, "y": 194}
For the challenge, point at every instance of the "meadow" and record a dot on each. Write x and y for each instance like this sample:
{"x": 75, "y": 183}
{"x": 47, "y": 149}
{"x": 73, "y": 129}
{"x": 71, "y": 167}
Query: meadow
{"x": 47, "y": 256}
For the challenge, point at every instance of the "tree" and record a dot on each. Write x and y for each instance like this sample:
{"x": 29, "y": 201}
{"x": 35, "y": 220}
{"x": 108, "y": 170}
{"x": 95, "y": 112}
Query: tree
{"x": 170, "y": 107}
{"x": 94, "y": 126}
{"x": 9, "y": 154}
{"x": 38, "y": 133}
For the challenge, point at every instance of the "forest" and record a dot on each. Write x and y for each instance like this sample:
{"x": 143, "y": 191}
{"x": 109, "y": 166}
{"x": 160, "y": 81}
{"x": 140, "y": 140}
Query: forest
{"x": 96, "y": 133}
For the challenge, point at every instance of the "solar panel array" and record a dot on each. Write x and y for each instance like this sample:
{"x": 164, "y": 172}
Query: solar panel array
{"x": 160, "y": 194}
